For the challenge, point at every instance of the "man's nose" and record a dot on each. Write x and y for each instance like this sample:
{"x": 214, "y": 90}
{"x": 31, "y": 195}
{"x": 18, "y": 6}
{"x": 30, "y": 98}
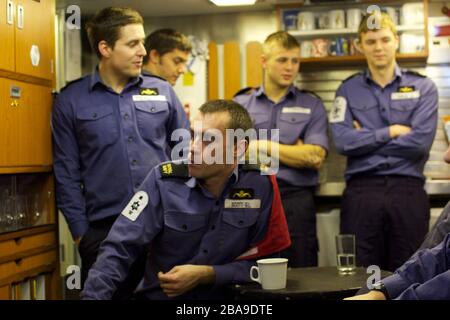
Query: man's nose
{"x": 291, "y": 65}
{"x": 196, "y": 143}
{"x": 378, "y": 45}
{"x": 141, "y": 51}
{"x": 182, "y": 68}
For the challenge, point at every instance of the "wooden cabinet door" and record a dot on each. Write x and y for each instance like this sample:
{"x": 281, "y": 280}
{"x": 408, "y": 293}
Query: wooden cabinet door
{"x": 25, "y": 134}
{"x": 7, "y": 35}
{"x": 35, "y": 38}
{"x": 5, "y": 293}
{"x": 8, "y": 127}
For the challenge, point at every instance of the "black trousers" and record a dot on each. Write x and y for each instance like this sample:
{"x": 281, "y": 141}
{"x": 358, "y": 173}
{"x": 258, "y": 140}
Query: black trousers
{"x": 298, "y": 204}
{"x": 88, "y": 249}
{"x": 389, "y": 216}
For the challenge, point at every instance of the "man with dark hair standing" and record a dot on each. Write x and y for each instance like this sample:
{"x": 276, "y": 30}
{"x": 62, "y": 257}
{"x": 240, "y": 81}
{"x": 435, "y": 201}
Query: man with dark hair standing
{"x": 167, "y": 54}
{"x": 384, "y": 120}
{"x": 303, "y": 140}
{"x": 200, "y": 233}
{"x": 109, "y": 129}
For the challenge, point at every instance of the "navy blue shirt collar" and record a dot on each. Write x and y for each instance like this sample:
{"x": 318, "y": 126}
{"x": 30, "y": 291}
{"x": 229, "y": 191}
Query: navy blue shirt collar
{"x": 96, "y": 79}
{"x": 192, "y": 182}
{"x": 261, "y": 92}
{"x": 397, "y": 75}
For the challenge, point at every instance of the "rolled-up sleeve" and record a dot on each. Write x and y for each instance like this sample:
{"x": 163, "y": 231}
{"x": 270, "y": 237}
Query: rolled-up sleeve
{"x": 317, "y": 131}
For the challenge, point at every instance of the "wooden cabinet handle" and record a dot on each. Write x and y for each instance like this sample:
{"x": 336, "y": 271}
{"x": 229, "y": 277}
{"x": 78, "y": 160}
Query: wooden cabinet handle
{"x": 10, "y": 12}
{"x": 20, "y": 16}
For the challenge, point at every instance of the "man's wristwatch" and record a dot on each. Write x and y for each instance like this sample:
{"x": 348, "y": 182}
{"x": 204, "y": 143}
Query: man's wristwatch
{"x": 379, "y": 286}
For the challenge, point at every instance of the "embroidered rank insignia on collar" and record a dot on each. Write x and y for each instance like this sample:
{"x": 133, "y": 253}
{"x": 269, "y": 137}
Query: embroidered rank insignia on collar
{"x": 242, "y": 193}
{"x": 167, "y": 169}
{"x": 174, "y": 170}
{"x": 149, "y": 92}
{"x": 136, "y": 205}
{"x": 406, "y": 89}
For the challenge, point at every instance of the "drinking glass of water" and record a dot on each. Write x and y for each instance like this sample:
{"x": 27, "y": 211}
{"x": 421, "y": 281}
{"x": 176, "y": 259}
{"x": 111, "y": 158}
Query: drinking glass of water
{"x": 345, "y": 253}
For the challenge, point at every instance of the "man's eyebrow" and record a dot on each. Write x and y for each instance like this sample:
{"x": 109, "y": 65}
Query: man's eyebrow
{"x": 135, "y": 40}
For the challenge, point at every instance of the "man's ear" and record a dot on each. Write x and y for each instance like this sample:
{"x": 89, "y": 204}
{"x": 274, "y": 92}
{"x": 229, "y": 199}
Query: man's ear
{"x": 154, "y": 56}
{"x": 397, "y": 42}
{"x": 104, "y": 49}
{"x": 358, "y": 45}
{"x": 241, "y": 148}
{"x": 264, "y": 59}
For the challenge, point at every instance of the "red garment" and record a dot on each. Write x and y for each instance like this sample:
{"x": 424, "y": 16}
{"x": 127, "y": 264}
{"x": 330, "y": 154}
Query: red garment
{"x": 277, "y": 237}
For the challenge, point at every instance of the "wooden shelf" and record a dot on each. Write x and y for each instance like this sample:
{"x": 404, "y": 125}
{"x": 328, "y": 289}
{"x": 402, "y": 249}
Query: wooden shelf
{"x": 27, "y": 232}
{"x": 337, "y": 62}
{"x": 14, "y": 170}
{"x": 345, "y": 31}
{"x": 46, "y": 268}
{"x": 333, "y": 61}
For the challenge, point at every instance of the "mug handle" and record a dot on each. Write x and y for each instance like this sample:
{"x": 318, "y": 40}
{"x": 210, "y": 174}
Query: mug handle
{"x": 255, "y": 268}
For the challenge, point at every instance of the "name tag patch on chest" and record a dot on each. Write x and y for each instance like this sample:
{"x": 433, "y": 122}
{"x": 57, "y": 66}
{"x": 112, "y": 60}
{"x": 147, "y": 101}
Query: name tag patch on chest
{"x": 405, "y": 95}
{"x": 242, "y": 204}
{"x": 296, "y": 110}
{"x": 149, "y": 98}
{"x": 136, "y": 205}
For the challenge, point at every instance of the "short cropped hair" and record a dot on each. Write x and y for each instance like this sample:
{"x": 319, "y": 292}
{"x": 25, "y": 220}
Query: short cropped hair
{"x": 281, "y": 38}
{"x": 239, "y": 116}
{"x": 376, "y": 21}
{"x": 106, "y": 24}
{"x": 166, "y": 40}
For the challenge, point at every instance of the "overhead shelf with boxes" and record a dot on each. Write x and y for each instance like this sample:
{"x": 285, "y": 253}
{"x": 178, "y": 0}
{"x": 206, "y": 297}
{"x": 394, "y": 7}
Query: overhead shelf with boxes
{"x": 328, "y": 31}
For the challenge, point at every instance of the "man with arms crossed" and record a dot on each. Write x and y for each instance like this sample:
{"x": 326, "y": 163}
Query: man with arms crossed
{"x": 384, "y": 120}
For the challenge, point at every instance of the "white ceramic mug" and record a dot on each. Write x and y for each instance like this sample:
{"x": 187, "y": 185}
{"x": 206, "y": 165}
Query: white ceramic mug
{"x": 306, "y": 49}
{"x": 353, "y": 18}
{"x": 392, "y": 12}
{"x": 305, "y": 21}
{"x": 412, "y": 13}
{"x": 337, "y": 19}
{"x": 272, "y": 273}
{"x": 324, "y": 21}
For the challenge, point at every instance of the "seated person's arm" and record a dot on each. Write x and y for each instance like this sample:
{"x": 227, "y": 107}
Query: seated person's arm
{"x": 183, "y": 278}
{"x": 426, "y": 275}
{"x": 131, "y": 233}
{"x": 298, "y": 155}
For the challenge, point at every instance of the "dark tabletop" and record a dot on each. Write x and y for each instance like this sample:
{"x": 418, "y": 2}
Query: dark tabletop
{"x": 310, "y": 283}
